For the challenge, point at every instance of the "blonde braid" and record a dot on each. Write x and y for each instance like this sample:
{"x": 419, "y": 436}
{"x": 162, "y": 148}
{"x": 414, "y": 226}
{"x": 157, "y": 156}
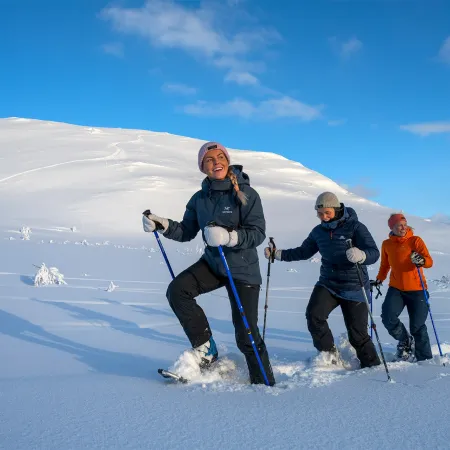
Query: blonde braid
{"x": 241, "y": 195}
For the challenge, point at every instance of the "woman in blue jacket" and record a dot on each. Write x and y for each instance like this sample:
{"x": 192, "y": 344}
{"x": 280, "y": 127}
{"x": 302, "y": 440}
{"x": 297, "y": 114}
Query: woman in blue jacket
{"x": 235, "y": 209}
{"x": 338, "y": 283}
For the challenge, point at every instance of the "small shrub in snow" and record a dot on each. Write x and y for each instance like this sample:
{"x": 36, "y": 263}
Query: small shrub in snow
{"x": 48, "y": 275}
{"x": 443, "y": 283}
{"x": 111, "y": 287}
{"x": 73, "y": 229}
{"x": 25, "y": 232}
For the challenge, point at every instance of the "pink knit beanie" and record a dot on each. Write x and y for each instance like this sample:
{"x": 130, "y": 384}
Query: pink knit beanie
{"x": 205, "y": 148}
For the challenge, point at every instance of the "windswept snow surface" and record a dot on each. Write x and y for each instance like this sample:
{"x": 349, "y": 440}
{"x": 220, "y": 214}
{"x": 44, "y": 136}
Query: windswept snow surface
{"x": 79, "y": 360}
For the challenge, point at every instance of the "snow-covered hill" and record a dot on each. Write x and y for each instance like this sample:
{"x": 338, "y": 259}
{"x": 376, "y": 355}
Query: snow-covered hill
{"x": 78, "y": 361}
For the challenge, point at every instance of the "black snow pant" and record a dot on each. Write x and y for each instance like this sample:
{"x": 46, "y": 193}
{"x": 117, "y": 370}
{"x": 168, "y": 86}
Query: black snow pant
{"x": 320, "y": 305}
{"x": 414, "y": 301}
{"x": 199, "y": 279}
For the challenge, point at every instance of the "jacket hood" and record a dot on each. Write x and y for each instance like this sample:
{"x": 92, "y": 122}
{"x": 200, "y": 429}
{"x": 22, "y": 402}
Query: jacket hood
{"x": 409, "y": 234}
{"x": 349, "y": 215}
{"x": 225, "y": 184}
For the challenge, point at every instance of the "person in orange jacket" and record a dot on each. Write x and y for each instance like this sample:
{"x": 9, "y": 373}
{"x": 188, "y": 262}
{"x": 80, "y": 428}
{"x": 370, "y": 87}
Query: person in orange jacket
{"x": 404, "y": 254}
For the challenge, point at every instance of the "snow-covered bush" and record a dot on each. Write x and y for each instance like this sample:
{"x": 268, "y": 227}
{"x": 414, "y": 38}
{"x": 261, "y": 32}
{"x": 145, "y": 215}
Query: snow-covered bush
{"x": 443, "y": 282}
{"x": 111, "y": 287}
{"x": 48, "y": 275}
{"x": 25, "y": 232}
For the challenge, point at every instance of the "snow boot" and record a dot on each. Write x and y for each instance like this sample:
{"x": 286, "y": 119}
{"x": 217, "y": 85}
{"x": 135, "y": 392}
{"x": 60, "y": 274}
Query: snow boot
{"x": 256, "y": 377}
{"x": 405, "y": 349}
{"x": 330, "y": 359}
{"x": 207, "y": 354}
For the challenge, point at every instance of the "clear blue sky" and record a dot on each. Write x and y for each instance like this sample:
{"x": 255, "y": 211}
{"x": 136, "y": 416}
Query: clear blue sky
{"x": 357, "y": 90}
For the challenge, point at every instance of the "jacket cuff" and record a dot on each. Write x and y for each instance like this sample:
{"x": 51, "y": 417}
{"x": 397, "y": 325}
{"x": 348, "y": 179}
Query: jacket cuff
{"x": 166, "y": 232}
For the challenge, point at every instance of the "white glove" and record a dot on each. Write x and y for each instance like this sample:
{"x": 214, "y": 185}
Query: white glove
{"x": 355, "y": 255}
{"x": 268, "y": 250}
{"x": 417, "y": 259}
{"x": 152, "y": 222}
{"x": 215, "y": 236}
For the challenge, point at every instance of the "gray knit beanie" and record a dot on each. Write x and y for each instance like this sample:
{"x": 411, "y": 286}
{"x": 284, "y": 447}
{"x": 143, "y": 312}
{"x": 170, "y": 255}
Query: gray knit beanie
{"x": 327, "y": 200}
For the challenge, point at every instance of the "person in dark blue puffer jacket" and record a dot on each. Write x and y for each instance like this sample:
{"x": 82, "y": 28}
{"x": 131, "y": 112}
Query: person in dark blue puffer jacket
{"x": 229, "y": 213}
{"x": 338, "y": 282}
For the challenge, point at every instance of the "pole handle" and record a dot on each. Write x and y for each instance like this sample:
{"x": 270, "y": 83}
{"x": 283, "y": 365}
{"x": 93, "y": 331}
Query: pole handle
{"x": 158, "y": 226}
{"x": 273, "y": 249}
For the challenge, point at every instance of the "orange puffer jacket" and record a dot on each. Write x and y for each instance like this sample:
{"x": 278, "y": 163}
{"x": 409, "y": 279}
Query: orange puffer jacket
{"x": 396, "y": 256}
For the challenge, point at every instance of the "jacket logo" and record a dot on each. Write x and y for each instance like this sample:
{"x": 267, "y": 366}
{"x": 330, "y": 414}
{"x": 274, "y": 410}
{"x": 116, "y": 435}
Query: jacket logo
{"x": 341, "y": 237}
{"x": 226, "y": 210}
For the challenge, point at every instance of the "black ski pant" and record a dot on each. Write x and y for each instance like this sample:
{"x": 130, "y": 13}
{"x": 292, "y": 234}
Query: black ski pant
{"x": 199, "y": 279}
{"x": 414, "y": 301}
{"x": 321, "y": 304}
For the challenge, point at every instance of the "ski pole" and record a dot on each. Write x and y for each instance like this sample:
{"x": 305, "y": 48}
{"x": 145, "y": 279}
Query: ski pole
{"x": 429, "y": 310}
{"x": 379, "y": 293}
{"x": 244, "y": 318}
{"x": 371, "y": 311}
{"x": 159, "y": 227}
{"x": 273, "y": 248}
{"x": 361, "y": 281}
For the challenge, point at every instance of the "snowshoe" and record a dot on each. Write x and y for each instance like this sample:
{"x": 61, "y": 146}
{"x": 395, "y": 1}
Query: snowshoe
{"x": 200, "y": 364}
{"x": 174, "y": 376}
{"x": 221, "y": 367}
{"x": 405, "y": 350}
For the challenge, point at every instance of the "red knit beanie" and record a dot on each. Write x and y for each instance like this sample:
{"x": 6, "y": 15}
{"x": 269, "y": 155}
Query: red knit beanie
{"x": 395, "y": 219}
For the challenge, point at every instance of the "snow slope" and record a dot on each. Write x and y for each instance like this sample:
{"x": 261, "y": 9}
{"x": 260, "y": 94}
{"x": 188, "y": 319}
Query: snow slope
{"x": 79, "y": 361}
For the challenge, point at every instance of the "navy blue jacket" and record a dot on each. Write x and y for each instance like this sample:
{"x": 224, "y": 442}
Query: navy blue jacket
{"x": 217, "y": 201}
{"x": 337, "y": 273}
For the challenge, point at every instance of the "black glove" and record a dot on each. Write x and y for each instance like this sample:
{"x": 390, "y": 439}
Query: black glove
{"x": 376, "y": 284}
{"x": 417, "y": 259}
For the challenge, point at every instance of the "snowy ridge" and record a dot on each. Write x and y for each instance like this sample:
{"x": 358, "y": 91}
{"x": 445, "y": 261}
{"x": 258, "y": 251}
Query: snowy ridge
{"x": 133, "y": 165}
{"x": 80, "y": 359}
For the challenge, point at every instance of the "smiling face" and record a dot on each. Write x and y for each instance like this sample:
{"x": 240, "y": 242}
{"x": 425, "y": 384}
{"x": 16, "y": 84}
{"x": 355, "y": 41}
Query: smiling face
{"x": 326, "y": 214}
{"x": 400, "y": 228}
{"x": 215, "y": 164}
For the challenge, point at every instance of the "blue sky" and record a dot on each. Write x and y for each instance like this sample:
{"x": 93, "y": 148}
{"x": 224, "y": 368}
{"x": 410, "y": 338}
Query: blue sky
{"x": 357, "y": 90}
